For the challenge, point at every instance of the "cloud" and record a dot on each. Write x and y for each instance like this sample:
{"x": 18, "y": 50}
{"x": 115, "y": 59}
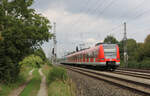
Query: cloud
{"x": 80, "y": 22}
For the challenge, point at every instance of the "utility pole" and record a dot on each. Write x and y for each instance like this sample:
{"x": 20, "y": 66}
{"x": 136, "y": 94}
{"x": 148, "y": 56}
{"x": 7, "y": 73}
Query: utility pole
{"x": 125, "y": 46}
{"x": 55, "y": 45}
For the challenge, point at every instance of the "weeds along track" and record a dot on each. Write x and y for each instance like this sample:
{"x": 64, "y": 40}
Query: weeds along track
{"x": 138, "y": 84}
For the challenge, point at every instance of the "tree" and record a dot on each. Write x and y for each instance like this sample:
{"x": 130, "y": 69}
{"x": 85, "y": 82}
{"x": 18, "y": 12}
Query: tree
{"x": 23, "y": 31}
{"x": 1, "y": 37}
{"x": 110, "y": 39}
{"x": 139, "y": 54}
{"x": 121, "y": 49}
{"x": 131, "y": 48}
{"x": 147, "y": 46}
{"x": 39, "y": 52}
{"x": 32, "y": 61}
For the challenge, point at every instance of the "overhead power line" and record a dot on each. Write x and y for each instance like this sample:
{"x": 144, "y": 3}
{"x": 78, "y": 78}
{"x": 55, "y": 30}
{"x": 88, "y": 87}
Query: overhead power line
{"x": 81, "y": 10}
{"x": 78, "y": 20}
{"x": 123, "y": 15}
{"x": 135, "y": 8}
{"x": 101, "y": 12}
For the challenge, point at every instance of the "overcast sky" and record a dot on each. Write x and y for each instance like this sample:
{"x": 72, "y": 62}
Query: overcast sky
{"x": 90, "y": 21}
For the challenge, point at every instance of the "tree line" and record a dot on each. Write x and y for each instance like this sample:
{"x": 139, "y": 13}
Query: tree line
{"x": 22, "y": 32}
{"x": 138, "y": 53}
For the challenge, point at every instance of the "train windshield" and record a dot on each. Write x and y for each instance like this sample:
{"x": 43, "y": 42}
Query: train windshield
{"x": 110, "y": 51}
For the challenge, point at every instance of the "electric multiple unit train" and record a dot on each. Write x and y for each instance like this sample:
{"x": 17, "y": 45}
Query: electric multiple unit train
{"x": 102, "y": 56}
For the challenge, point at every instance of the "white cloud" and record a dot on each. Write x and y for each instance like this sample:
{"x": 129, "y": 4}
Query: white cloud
{"x": 75, "y": 28}
{"x": 71, "y": 34}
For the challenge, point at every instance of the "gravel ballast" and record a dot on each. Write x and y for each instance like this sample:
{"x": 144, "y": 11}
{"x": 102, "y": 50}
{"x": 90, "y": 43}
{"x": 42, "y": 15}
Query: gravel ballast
{"x": 87, "y": 86}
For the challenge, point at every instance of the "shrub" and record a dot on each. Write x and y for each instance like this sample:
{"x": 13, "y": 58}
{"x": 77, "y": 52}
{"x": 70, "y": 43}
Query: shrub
{"x": 133, "y": 64}
{"x": 145, "y": 64}
{"x": 57, "y": 73}
{"x": 32, "y": 61}
{"x": 48, "y": 62}
{"x": 122, "y": 63}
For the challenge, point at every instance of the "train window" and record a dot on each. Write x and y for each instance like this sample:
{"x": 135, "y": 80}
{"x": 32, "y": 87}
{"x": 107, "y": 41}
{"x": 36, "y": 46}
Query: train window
{"x": 95, "y": 53}
{"x": 86, "y": 55}
{"x": 79, "y": 56}
{"x": 76, "y": 57}
{"x": 90, "y": 55}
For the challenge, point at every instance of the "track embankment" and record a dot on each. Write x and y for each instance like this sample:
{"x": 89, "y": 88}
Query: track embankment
{"x": 132, "y": 83}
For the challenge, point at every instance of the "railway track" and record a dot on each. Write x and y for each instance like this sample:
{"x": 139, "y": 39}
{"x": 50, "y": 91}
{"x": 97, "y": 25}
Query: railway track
{"x": 134, "y": 70}
{"x": 136, "y": 83}
{"x": 134, "y": 74}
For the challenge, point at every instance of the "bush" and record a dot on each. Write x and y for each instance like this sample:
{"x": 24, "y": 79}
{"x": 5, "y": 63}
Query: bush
{"x": 48, "y": 62}
{"x": 32, "y": 61}
{"x": 122, "y": 63}
{"x": 57, "y": 73}
{"x": 145, "y": 64}
{"x": 133, "y": 64}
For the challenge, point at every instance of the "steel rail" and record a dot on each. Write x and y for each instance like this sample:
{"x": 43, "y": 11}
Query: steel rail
{"x": 139, "y": 87}
{"x": 134, "y": 74}
{"x": 135, "y": 70}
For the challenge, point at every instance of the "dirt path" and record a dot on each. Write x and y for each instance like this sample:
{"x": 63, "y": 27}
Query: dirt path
{"x": 17, "y": 91}
{"x": 43, "y": 89}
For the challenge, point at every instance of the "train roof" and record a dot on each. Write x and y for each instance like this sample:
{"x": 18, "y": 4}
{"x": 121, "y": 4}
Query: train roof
{"x": 83, "y": 51}
{"x": 90, "y": 49}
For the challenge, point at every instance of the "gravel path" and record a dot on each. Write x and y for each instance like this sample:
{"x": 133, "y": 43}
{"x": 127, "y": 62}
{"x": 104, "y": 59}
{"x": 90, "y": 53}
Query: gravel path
{"x": 88, "y": 86}
{"x": 17, "y": 91}
{"x": 43, "y": 89}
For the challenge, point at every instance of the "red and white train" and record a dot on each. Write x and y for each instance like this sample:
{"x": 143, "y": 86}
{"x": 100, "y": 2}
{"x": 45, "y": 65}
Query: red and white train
{"x": 102, "y": 56}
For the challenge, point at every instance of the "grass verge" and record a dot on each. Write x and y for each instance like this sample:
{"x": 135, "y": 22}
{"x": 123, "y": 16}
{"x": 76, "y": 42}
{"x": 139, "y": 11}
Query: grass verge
{"x": 34, "y": 85}
{"x": 5, "y": 89}
{"x": 58, "y": 83}
{"x": 59, "y": 88}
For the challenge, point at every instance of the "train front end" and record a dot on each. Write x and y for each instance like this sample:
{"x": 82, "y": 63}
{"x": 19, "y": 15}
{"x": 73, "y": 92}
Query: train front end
{"x": 110, "y": 56}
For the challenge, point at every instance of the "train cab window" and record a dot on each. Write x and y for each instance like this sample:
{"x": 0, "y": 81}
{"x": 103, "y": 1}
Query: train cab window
{"x": 110, "y": 51}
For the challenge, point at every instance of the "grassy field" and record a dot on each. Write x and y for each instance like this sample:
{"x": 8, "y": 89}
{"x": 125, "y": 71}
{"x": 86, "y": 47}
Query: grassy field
{"x": 34, "y": 85}
{"x": 5, "y": 89}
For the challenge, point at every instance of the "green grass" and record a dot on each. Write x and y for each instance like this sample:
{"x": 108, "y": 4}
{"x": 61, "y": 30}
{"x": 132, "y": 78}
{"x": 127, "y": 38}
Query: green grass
{"x": 45, "y": 69}
{"x": 34, "y": 85}
{"x": 58, "y": 88}
{"x": 5, "y": 89}
{"x": 58, "y": 83}
{"x": 57, "y": 73}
